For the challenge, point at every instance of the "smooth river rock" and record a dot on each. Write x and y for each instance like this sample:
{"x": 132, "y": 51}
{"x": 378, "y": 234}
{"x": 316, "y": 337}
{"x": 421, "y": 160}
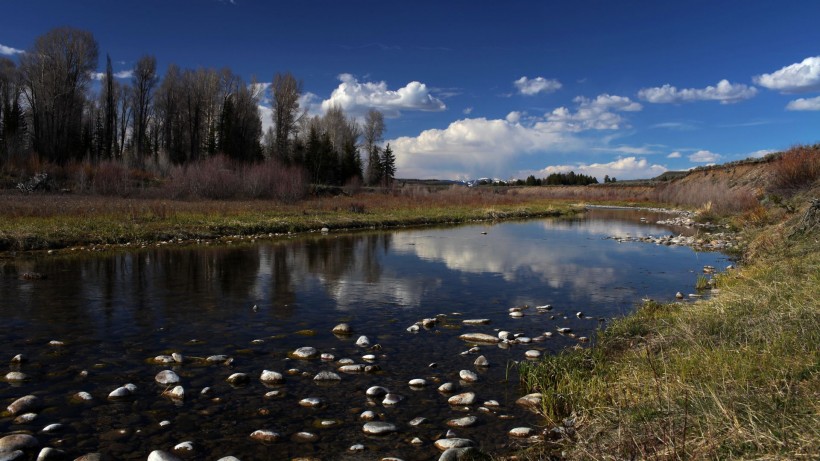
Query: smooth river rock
{"x": 305, "y": 353}
{"x": 363, "y": 341}
{"x": 466, "y": 421}
{"x": 11, "y": 455}
{"x": 459, "y": 454}
{"x": 342, "y": 329}
{"x": 392, "y": 399}
{"x": 16, "y": 376}
{"x": 166, "y": 377}
{"x": 418, "y": 382}
{"x": 49, "y": 453}
{"x": 532, "y": 354}
{"x": 120, "y": 393}
{"x": 327, "y": 376}
{"x": 468, "y": 376}
{"x": 531, "y": 401}
{"x": 238, "y": 378}
{"x": 310, "y": 402}
{"x": 479, "y": 338}
{"x": 159, "y": 455}
{"x": 272, "y": 377}
{"x": 379, "y": 428}
{"x": 455, "y": 442}
{"x": 23, "y": 404}
{"x": 354, "y": 368}
{"x": 476, "y": 321}
{"x": 521, "y": 432}
{"x": 178, "y": 393}
{"x": 17, "y": 442}
{"x": 266, "y": 436}
{"x": 376, "y": 391}
{"x": 481, "y": 362}
{"x": 447, "y": 388}
{"x": 463, "y": 399}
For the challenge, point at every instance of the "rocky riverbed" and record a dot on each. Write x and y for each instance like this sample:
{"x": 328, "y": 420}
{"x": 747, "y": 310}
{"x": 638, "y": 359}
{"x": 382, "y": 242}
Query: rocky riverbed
{"x": 346, "y": 400}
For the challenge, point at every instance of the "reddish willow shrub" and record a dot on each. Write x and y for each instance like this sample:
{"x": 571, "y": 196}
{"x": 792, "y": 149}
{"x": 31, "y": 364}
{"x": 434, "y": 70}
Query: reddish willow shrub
{"x": 218, "y": 178}
{"x": 797, "y": 168}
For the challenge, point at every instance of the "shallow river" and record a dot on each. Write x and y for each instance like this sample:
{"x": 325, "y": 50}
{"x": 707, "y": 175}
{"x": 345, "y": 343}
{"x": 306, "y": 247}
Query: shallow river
{"x": 256, "y": 303}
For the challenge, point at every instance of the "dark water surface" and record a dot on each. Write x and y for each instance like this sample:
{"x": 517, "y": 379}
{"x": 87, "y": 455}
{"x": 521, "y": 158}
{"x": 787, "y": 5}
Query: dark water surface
{"x": 114, "y": 313}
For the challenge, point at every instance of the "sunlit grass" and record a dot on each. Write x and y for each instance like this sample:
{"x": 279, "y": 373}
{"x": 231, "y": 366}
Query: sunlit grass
{"x": 54, "y": 221}
{"x": 733, "y": 377}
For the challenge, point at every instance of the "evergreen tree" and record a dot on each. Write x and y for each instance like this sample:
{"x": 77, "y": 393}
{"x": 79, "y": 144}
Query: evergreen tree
{"x": 388, "y": 166}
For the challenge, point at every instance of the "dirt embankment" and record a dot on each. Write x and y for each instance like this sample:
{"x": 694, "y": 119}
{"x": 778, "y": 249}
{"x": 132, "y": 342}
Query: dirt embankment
{"x": 756, "y": 176}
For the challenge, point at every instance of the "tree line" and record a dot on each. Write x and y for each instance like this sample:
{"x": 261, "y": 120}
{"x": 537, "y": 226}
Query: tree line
{"x": 49, "y": 108}
{"x": 562, "y": 179}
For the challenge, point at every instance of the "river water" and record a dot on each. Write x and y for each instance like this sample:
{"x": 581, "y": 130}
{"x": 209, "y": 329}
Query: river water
{"x": 256, "y": 303}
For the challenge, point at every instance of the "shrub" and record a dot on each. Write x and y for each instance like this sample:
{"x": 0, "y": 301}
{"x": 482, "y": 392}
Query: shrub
{"x": 110, "y": 178}
{"x": 218, "y": 178}
{"x": 796, "y": 168}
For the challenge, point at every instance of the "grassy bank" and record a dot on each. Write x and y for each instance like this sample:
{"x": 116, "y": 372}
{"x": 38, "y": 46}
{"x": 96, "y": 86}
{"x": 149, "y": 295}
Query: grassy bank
{"x": 733, "y": 377}
{"x": 31, "y": 222}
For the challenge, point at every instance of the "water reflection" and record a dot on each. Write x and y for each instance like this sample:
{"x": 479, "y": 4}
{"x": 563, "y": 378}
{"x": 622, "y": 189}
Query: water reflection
{"x": 116, "y": 311}
{"x": 559, "y": 260}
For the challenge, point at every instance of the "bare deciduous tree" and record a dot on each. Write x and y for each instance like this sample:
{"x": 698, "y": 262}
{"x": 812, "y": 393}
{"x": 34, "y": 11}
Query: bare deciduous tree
{"x": 145, "y": 79}
{"x": 372, "y": 133}
{"x": 286, "y": 92}
{"x": 56, "y": 73}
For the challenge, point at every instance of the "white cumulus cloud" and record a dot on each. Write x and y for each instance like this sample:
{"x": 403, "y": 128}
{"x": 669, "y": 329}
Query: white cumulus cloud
{"x": 804, "y": 104}
{"x": 9, "y": 51}
{"x": 531, "y": 87}
{"x": 725, "y": 92}
{"x": 477, "y": 147}
{"x": 593, "y": 114}
{"x": 704, "y": 156}
{"x": 358, "y": 97}
{"x": 622, "y": 168}
{"x": 123, "y": 74}
{"x": 674, "y": 155}
{"x": 794, "y": 78}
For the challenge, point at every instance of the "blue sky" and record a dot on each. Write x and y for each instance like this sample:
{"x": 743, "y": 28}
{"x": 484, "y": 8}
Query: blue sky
{"x": 501, "y": 89}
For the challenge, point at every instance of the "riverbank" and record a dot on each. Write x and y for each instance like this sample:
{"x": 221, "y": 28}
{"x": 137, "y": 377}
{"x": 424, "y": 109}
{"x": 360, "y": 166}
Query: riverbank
{"x": 733, "y": 377}
{"x": 51, "y": 222}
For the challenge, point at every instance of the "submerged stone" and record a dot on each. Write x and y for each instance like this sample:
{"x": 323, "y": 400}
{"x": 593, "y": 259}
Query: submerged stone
{"x": 166, "y": 377}
{"x": 265, "y": 436}
{"x": 15, "y": 442}
{"x": 379, "y": 428}
{"x": 521, "y": 432}
{"x": 271, "y": 377}
{"x": 159, "y": 455}
{"x": 327, "y": 376}
{"x": 376, "y": 391}
{"x": 305, "y": 353}
{"x": 468, "y": 376}
{"x": 479, "y": 338}
{"x": 466, "y": 421}
{"x": 238, "y": 378}
{"x": 23, "y": 404}
{"x": 463, "y": 399}
{"x": 455, "y": 442}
